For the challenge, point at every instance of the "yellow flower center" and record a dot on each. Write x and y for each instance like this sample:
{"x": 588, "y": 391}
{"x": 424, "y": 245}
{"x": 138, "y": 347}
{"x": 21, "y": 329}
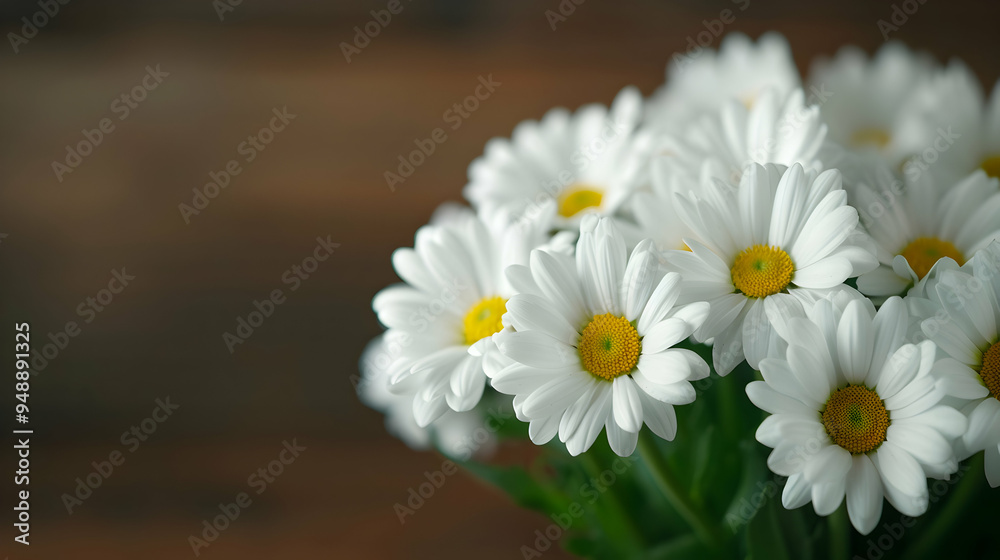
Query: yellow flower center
{"x": 876, "y": 137}
{"x": 990, "y": 372}
{"x": 577, "y": 198}
{"x": 923, "y": 252}
{"x": 609, "y": 346}
{"x": 991, "y": 166}
{"x": 484, "y": 319}
{"x": 856, "y": 419}
{"x": 761, "y": 270}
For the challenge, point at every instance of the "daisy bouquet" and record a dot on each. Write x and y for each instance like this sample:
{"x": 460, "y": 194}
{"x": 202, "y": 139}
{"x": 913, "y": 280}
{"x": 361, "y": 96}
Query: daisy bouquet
{"x": 748, "y": 316}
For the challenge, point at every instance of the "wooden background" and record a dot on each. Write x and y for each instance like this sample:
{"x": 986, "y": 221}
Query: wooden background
{"x": 162, "y": 336}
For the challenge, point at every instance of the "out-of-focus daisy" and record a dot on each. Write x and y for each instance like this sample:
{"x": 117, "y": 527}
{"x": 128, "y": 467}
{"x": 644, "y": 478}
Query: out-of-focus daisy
{"x": 965, "y": 327}
{"x": 592, "y": 338}
{"x": 654, "y": 211}
{"x": 588, "y": 162}
{"x": 916, "y": 224}
{"x": 783, "y": 238}
{"x": 866, "y": 109}
{"x": 703, "y": 81}
{"x": 451, "y": 305}
{"x": 778, "y": 129}
{"x": 956, "y": 131}
{"x": 454, "y": 433}
{"x": 855, "y": 412}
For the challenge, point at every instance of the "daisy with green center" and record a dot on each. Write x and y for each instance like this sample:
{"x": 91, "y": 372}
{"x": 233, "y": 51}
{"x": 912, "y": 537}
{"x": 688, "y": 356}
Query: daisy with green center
{"x": 856, "y": 413}
{"x": 592, "y": 337}
{"x": 587, "y": 162}
{"x": 963, "y": 320}
{"x": 916, "y": 224}
{"x": 783, "y": 239}
{"x": 451, "y": 305}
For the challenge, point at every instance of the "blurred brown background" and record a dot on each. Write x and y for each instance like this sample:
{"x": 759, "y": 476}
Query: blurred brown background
{"x": 320, "y": 176}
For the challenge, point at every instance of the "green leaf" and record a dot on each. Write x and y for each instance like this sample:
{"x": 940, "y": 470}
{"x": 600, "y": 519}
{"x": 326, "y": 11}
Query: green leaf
{"x": 525, "y": 490}
{"x": 778, "y": 534}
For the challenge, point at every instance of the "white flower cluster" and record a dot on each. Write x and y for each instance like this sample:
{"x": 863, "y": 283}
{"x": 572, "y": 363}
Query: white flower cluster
{"x": 836, "y": 235}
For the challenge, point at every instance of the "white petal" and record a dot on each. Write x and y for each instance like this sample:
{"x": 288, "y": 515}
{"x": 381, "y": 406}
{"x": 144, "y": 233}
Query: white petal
{"x": 537, "y": 349}
{"x": 828, "y": 465}
{"x": 626, "y": 405}
{"x": 555, "y": 396}
{"x": 660, "y": 302}
{"x": 864, "y": 494}
{"x": 665, "y": 367}
{"x": 622, "y": 442}
{"x": 854, "y": 342}
{"x": 530, "y": 312}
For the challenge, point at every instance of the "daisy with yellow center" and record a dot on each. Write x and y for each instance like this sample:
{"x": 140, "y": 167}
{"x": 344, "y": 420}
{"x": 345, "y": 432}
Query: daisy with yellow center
{"x": 762, "y": 271}
{"x": 483, "y": 320}
{"x": 856, "y": 415}
{"x": 991, "y": 165}
{"x": 924, "y": 225}
{"x": 784, "y": 238}
{"x": 577, "y": 198}
{"x": 855, "y": 418}
{"x": 584, "y": 162}
{"x": 964, "y": 321}
{"x": 609, "y": 346}
{"x": 874, "y": 137}
{"x": 451, "y": 305}
{"x": 592, "y": 337}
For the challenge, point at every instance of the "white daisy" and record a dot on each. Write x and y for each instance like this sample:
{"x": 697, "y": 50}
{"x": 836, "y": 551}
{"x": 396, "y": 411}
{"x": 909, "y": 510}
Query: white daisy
{"x": 965, "y": 328}
{"x": 954, "y": 131}
{"x": 653, "y": 210}
{"x": 702, "y": 82}
{"x": 866, "y": 108}
{"x": 778, "y": 129}
{"x": 916, "y": 223}
{"x": 783, "y": 238}
{"x": 451, "y": 305}
{"x": 855, "y": 412}
{"x": 453, "y": 433}
{"x": 592, "y": 337}
{"x": 588, "y": 162}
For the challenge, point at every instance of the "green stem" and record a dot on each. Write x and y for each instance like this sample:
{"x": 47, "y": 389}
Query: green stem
{"x": 621, "y": 513}
{"x": 703, "y": 526}
{"x": 944, "y": 522}
{"x": 840, "y": 534}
